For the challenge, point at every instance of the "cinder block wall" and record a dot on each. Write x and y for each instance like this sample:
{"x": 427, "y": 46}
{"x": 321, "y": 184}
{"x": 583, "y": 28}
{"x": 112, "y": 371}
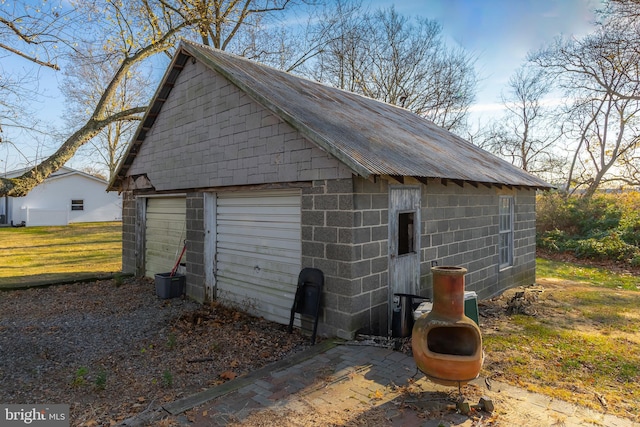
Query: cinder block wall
{"x": 327, "y": 212}
{"x": 344, "y": 234}
{"x": 371, "y": 234}
{"x": 460, "y": 227}
{"x": 128, "y": 233}
{"x": 211, "y": 134}
{"x": 195, "y": 281}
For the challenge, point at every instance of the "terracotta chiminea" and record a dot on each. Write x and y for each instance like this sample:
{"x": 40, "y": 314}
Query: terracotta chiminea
{"x": 447, "y": 345}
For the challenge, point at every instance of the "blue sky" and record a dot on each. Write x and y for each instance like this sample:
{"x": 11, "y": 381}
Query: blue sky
{"x": 499, "y": 33}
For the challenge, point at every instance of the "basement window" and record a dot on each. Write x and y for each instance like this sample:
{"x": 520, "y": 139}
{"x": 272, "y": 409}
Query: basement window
{"x": 406, "y": 244}
{"x": 77, "y": 205}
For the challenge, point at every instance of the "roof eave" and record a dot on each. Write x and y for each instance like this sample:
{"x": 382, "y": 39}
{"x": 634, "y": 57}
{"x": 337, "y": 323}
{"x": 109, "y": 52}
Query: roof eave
{"x": 149, "y": 118}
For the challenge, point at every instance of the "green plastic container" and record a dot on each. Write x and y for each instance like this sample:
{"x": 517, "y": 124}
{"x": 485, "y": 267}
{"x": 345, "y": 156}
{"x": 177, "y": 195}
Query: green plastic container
{"x": 471, "y": 306}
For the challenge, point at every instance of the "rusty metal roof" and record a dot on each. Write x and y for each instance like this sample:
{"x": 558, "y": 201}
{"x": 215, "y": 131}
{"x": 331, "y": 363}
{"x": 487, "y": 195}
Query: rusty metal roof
{"x": 369, "y": 136}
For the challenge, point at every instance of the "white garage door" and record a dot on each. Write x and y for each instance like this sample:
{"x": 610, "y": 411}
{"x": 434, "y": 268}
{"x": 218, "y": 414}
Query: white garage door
{"x": 259, "y": 251}
{"x": 165, "y": 233}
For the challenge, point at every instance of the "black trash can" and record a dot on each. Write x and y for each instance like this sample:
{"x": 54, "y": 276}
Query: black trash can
{"x": 402, "y": 320}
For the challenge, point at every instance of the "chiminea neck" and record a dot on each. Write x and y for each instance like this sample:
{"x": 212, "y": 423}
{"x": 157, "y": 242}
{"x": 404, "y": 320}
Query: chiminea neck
{"x": 448, "y": 291}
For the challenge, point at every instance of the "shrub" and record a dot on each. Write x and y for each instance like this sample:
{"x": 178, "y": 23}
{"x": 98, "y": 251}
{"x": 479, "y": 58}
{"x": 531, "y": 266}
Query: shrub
{"x": 605, "y": 226}
{"x": 594, "y": 215}
{"x": 610, "y": 247}
{"x": 578, "y": 217}
{"x": 552, "y": 212}
{"x": 554, "y": 241}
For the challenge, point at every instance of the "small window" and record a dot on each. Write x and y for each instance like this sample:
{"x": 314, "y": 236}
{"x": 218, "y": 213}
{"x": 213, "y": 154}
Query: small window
{"x": 406, "y": 243}
{"x": 506, "y": 231}
{"x": 77, "y": 205}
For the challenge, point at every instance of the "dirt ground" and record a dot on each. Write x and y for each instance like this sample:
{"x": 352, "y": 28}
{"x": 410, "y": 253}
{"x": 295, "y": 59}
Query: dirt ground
{"x": 112, "y": 351}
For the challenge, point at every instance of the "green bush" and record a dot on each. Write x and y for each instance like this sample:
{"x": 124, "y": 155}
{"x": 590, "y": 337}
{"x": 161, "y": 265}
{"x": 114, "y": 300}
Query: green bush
{"x": 610, "y": 247}
{"x": 554, "y": 241}
{"x": 552, "y": 212}
{"x": 603, "y": 227}
{"x": 630, "y": 228}
{"x": 577, "y": 216}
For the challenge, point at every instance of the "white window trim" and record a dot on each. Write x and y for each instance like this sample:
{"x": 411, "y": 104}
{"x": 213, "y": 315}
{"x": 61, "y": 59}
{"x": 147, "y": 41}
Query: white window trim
{"x": 509, "y": 262}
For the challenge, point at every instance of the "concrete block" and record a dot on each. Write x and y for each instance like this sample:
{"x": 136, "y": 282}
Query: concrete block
{"x": 312, "y": 217}
{"x": 371, "y": 218}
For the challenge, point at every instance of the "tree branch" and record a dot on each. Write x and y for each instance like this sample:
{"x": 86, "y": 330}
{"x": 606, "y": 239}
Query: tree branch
{"x": 29, "y": 58}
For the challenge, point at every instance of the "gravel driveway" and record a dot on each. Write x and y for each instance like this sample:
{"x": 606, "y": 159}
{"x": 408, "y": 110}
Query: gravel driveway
{"x": 112, "y": 351}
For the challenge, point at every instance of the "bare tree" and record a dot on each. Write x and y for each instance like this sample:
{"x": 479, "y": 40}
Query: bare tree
{"x": 389, "y": 57}
{"x": 86, "y": 74}
{"x": 30, "y": 33}
{"x": 606, "y": 130}
{"x": 343, "y": 58}
{"x": 621, "y": 20}
{"x": 30, "y": 30}
{"x": 140, "y": 30}
{"x": 602, "y": 107}
{"x": 528, "y": 133}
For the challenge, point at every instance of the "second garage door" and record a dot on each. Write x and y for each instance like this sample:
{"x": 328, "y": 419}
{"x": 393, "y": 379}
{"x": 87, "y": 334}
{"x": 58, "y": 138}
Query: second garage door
{"x": 258, "y": 247}
{"x": 165, "y": 233}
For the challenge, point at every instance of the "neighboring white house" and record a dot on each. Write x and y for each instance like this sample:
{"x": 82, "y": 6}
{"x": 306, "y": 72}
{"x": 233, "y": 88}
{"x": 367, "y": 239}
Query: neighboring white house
{"x": 67, "y": 196}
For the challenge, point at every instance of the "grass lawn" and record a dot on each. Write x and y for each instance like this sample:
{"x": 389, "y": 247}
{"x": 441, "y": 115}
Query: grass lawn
{"x": 39, "y": 255}
{"x": 580, "y": 344}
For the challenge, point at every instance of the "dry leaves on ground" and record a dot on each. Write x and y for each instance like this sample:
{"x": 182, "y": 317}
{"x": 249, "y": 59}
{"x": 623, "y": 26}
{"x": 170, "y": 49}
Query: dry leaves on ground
{"x": 112, "y": 351}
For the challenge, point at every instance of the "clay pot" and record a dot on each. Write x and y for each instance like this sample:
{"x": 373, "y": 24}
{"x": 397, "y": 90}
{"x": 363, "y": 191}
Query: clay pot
{"x": 447, "y": 345}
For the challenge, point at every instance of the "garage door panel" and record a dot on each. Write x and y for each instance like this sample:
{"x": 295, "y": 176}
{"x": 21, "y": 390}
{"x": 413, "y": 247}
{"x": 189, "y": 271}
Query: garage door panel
{"x": 236, "y": 228}
{"x": 260, "y": 234}
{"x": 256, "y": 266}
{"x": 264, "y": 212}
{"x": 245, "y": 282}
{"x": 259, "y": 270}
{"x": 251, "y": 254}
{"x": 165, "y": 205}
{"x": 260, "y": 243}
{"x": 264, "y": 197}
{"x": 269, "y": 308}
{"x": 260, "y": 220}
{"x": 258, "y": 248}
{"x": 166, "y": 220}
{"x": 269, "y": 304}
{"x": 165, "y": 231}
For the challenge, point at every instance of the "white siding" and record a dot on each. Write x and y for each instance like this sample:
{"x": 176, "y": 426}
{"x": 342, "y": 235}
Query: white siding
{"x": 50, "y": 202}
{"x": 259, "y": 251}
{"x": 165, "y": 234}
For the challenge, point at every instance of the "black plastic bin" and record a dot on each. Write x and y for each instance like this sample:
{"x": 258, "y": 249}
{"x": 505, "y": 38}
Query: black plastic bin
{"x": 402, "y": 320}
{"x": 168, "y": 286}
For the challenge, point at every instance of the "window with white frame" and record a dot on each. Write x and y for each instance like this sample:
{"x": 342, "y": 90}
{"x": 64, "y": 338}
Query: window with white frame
{"x": 506, "y": 231}
{"x": 77, "y": 205}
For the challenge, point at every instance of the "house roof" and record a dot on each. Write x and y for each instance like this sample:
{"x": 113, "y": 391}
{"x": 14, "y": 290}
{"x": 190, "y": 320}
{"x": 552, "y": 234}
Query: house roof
{"x": 369, "y": 136}
{"x": 60, "y": 173}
